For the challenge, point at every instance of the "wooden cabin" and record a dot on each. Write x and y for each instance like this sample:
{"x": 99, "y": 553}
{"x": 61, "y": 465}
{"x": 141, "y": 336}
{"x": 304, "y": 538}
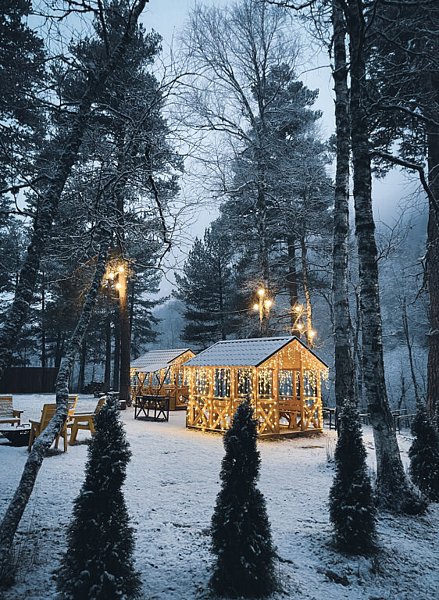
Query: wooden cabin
{"x": 280, "y": 375}
{"x": 160, "y": 372}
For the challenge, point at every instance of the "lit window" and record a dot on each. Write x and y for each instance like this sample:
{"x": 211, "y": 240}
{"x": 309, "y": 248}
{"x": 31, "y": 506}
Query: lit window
{"x": 222, "y": 383}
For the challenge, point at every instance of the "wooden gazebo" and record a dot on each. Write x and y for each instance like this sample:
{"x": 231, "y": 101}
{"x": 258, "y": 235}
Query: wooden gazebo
{"x": 160, "y": 372}
{"x": 280, "y": 376}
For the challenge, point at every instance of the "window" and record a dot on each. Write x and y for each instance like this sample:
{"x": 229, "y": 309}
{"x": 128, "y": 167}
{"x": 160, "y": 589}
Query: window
{"x": 201, "y": 382}
{"x": 222, "y": 383}
{"x": 167, "y": 379}
{"x": 244, "y": 382}
{"x": 286, "y": 383}
{"x": 310, "y": 383}
{"x": 265, "y": 383}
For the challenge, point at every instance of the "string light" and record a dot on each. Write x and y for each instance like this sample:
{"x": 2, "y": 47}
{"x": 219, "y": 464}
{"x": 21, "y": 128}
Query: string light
{"x": 285, "y": 392}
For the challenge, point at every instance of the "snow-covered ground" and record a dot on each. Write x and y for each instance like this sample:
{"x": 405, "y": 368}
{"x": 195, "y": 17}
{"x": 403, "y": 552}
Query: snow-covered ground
{"x": 170, "y": 490}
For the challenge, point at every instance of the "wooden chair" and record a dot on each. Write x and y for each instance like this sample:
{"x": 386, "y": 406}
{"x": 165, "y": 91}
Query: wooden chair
{"x": 84, "y": 421}
{"x": 37, "y": 427}
{"x": 72, "y": 402}
{"x": 8, "y": 414}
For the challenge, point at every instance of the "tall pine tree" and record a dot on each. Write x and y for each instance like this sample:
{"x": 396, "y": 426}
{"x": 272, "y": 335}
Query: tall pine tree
{"x": 241, "y": 536}
{"x": 98, "y": 564}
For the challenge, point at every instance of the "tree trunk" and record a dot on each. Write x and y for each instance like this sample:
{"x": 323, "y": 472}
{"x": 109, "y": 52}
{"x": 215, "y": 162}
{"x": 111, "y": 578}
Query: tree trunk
{"x": 393, "y": 489}
{"x": 43, "y": 442}
{"x": 125, "y": 339}
{"x": 107, "y": 372}
{"x": 405, "y": 326}
{"x": 307, "y": 295}
{"x": 433, "y": 272}
{"x": 48, "y": 207}
{"x": 59, "y": 349}
{"x": 343, "y": 358}
{"x": 292, "y": 283}
{"x": 116, "y": 355}
{"x": 82, "y": 363}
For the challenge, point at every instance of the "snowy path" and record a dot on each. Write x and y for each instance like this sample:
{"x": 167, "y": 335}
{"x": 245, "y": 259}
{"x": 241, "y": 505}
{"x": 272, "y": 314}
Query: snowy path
{"x": 171, "y": 488}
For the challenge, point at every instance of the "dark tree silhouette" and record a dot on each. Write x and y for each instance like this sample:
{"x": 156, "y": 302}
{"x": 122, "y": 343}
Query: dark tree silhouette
{"x": 424, "y": 455}
{"x": 241, "y": 536}
{"x": 351, "y": 502}
{"x": 98, "y": 563}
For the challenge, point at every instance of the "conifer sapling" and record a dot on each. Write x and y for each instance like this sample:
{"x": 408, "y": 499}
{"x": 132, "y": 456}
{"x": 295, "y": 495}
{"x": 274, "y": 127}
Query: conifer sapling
{"x": 241, "y": 536}
{"x": 351, "y": 502}
{"x": 424, "y": 455}
{"x": 98, "y": 563}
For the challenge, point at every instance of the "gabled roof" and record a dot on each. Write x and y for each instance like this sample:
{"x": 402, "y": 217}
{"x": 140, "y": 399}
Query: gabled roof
{"x": 155, "y": 360}
{"x": 246, "y": 353}
{"x": 243, "y": 353}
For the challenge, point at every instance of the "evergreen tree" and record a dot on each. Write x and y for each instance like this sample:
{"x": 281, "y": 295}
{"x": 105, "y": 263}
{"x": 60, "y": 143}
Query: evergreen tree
{"x": 241, "y": 536}
{"x": 424, "y": 455}
{"x": 98, "y": 564}
{"x": 207, "y": 289}
{"x": 351, "y": 503}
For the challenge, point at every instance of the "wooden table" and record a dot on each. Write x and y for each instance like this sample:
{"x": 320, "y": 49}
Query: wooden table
{"x": 152, "y": 408}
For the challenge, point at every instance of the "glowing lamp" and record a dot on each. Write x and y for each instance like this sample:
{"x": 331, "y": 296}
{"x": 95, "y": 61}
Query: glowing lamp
{"x": 261, "y": 292}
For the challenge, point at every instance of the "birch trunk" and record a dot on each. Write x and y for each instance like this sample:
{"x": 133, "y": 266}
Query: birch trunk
{"x": 48, "y": 207}
{"x": 14, "y": 512}
{"x": 393, "y": 489}
{"x": 343, "y": 357}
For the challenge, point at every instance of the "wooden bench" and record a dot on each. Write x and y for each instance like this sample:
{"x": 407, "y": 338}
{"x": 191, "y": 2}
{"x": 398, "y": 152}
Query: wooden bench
{"x": 8, "y": 414}
{"x": 152, "y": 408}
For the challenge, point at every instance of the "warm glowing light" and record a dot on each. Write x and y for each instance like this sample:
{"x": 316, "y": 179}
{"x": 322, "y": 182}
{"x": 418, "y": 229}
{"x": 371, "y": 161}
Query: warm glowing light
{"x": 121, "y": 269}
{"x": 118, "y": 286}
{"x": 311, "y": 333}
{"x": 261, "y": 292}
{"x": 268, "y": 303}
{"x": 300, "y": 326}
{"x": 298, "y": 308}
{"x": 255, "y": 306}
{"x": 111, "y": 275}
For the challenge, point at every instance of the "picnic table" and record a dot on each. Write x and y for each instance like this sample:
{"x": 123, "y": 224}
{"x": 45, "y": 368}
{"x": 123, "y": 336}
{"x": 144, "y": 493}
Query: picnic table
{"x": 152, "y": 408}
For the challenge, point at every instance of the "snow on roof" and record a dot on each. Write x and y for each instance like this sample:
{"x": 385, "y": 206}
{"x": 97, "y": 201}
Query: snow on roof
{"x": 155, "y": 360}
{"x": 246, "y": 353}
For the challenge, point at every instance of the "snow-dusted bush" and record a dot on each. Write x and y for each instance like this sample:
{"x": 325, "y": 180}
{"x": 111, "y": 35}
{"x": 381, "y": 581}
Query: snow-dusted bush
{"x": 424, "y": 455}
{"x": 351, "y": 502}
{"x": 241, "y": 535}
{"x": 98, "y": 563}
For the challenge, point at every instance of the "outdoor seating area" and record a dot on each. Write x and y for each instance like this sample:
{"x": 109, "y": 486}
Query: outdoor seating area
{"x": 25, "y": 434}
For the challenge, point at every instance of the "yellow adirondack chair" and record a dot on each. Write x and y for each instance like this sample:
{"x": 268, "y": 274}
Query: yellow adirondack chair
{"x": 37, "y": 427}
{"x": 72, "y": 402}
{"x": 84, "y": 421}
{"x": 8, "y": 414}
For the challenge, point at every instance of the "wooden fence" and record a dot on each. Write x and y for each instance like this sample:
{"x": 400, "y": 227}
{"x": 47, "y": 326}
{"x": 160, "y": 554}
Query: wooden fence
{"x": 28, "y": 380}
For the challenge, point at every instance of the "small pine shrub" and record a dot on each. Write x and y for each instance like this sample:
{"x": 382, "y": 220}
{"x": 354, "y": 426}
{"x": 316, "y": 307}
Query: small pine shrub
{"x": 241, "y": 535}
{"x": 424, "y": 455}
{"x": 351, "y": 502}
{"x": 98, "y": 563}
